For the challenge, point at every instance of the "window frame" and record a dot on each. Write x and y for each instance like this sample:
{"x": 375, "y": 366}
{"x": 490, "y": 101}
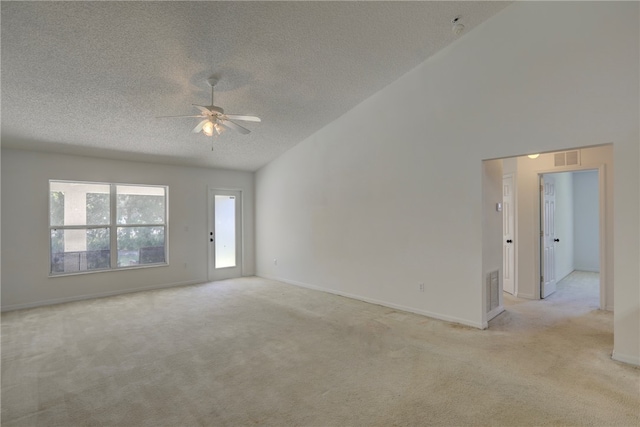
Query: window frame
{"x": 112, "y": 226}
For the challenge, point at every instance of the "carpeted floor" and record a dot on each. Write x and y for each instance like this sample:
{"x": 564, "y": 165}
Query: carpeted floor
{"x": 251, "y": 351}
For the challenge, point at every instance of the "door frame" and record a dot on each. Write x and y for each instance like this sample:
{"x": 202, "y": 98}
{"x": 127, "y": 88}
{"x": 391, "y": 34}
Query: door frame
{"x": 543, "y": 180}
{"x": 602, "y": 234}
{"x": 210, "y": 227}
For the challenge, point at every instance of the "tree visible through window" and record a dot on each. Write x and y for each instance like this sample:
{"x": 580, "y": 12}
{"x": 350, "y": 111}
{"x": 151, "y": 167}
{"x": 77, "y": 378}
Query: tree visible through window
{"x": 139, "y": 211}
{"x": 83, "y": 232}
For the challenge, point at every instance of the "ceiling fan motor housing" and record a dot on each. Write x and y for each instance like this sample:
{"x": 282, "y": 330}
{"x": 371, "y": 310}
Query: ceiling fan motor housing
{"x": 215, "y": 109}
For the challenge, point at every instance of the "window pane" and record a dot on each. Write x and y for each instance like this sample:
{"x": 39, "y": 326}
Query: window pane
{"x": 79, "y": 250}
{"x": 225, "y": 231}
{"x": 56, "y": 206}
{"x": 98, "y": 211}
{"x": 140, "y": 245}
{"x": 140, "y": 205}
{"x": 78, "y": 203}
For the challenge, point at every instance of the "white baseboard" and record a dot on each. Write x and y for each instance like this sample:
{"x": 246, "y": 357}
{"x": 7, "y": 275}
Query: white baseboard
{"x": 96, "y": 295}
{"x": 426, "y": 313}
{"x": 526, "y": 296}
{"x": 631, "y": 360}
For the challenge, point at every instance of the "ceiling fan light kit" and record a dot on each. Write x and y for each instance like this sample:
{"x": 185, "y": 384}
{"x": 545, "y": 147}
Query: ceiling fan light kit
{"x": 215, "y": 121}
{"x": 207, "y": 128}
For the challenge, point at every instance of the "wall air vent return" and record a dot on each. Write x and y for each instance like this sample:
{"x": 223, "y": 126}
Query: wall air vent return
{"x": 567, "y": 158}
{"x": 493, "y": 290}
{"x": 573, "y": 158}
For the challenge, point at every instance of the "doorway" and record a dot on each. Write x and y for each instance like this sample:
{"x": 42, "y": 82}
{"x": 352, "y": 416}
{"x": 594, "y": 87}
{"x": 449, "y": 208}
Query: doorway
{"x": 569, "y": 227}
{"x": 527, "y": 250}
{"x": 225, "y": 234}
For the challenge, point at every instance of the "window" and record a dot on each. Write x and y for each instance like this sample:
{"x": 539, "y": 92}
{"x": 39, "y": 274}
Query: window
{"x": 87, "y": 220}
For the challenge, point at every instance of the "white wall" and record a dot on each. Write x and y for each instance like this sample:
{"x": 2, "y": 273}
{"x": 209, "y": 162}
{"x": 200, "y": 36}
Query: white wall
{"x": 564, "y": 249}
{"x": 390, "y": 194}
{"x": 586, "y": 221}
{"x": 25, "y": 187}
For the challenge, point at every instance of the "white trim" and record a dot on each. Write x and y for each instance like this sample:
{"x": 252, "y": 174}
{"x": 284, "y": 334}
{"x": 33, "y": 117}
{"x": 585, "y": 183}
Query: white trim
{"x": 97, "y": 295}
{"x": 493, "y": 313}
{"x": 602, "y": 212}
{"x": 624, "y": 358}
{"x": 525, "y": 296}
{"x": 426, "y": 313}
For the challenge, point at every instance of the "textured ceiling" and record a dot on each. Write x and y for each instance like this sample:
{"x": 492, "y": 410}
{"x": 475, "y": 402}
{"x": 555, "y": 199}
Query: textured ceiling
{"x": 90, "y": 77}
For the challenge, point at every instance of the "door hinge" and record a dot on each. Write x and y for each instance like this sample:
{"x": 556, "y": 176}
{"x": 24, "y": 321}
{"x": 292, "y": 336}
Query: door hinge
{"x": 541, "y": 279}
{"x": 541, "y": 233}
{"x": 541, "y": 188}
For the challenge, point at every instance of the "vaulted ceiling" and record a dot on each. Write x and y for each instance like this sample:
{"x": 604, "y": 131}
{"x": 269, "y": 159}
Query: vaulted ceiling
{"x": 90, "y": 77}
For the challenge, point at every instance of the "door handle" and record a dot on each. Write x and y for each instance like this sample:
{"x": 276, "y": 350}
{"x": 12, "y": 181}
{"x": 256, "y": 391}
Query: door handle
{"x": 509, "y": 241}
{"x": 556, "y": 240}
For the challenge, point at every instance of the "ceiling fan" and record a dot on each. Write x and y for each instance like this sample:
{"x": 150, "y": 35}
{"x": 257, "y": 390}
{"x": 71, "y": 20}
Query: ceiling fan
{"x": 215, "y": 119}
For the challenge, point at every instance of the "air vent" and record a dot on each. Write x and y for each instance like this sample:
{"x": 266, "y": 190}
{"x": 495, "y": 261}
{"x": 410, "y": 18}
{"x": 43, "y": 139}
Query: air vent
{"x": 559, "y": 159}
{"x": 493, "y": 290}
{"x": 567, "y": 158}
{"x": 573, "y": 158}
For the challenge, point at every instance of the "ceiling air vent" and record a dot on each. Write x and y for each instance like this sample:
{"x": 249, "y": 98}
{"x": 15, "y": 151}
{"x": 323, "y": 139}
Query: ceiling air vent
{"x": 568, "y": 158}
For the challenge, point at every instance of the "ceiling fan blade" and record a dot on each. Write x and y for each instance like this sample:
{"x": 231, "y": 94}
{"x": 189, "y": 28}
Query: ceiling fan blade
{"x": 243, "y": 118}
{"x": 198, "y": 127}
{"x": 229, "y": 124}
{"x": 205, "y": 110}
{"x": 173, "y": 117}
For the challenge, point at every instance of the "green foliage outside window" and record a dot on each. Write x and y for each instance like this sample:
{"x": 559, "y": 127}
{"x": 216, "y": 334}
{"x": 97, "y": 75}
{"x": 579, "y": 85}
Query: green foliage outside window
{"x": 56, "y": 203}
{"x": 98, "y": 211}
{"x": 140, "y": 209}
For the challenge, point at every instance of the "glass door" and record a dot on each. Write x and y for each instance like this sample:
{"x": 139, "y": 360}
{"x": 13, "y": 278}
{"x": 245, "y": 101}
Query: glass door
{"x": 225, "y": 234}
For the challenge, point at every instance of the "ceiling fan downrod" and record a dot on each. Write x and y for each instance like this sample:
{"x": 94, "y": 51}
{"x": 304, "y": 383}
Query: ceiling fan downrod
{"x": 212, "y": 81}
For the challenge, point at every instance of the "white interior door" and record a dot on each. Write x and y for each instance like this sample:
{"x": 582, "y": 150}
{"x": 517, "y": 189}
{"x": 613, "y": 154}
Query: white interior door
{"x": 225, "y": 234}
{"x": 508, "y": 234}
{"x": 547, "y": 236}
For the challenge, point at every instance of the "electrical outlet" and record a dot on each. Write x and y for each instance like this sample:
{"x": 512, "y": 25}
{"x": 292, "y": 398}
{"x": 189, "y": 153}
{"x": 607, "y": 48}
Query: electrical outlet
{"x": 421, "y": 287}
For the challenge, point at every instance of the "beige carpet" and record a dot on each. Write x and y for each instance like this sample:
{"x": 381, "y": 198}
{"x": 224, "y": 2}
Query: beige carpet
{"x": 252, "y": 352}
